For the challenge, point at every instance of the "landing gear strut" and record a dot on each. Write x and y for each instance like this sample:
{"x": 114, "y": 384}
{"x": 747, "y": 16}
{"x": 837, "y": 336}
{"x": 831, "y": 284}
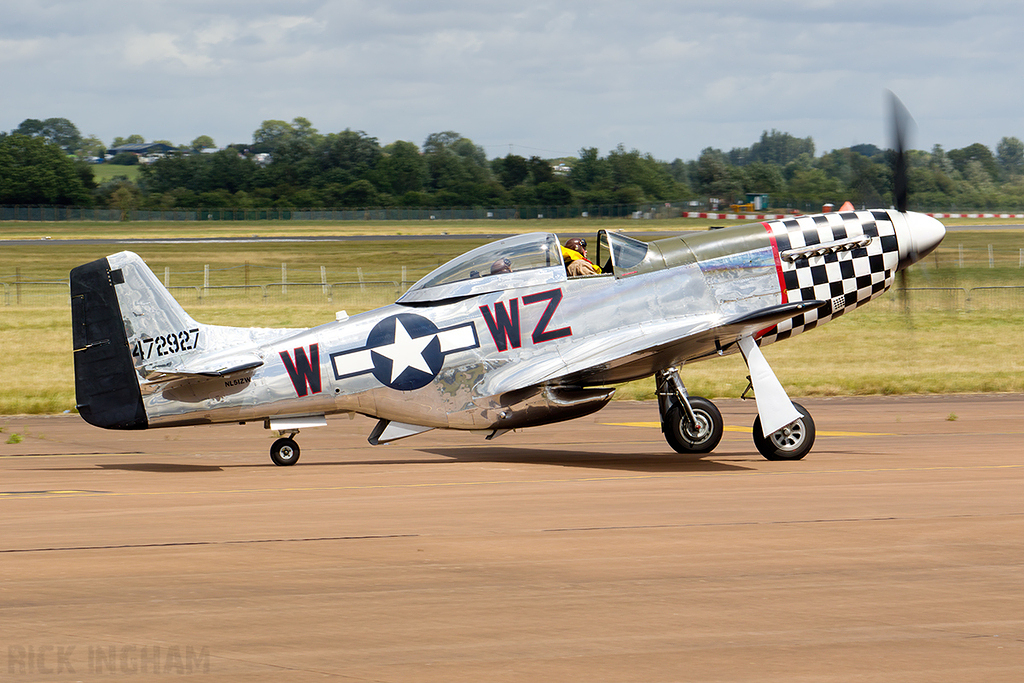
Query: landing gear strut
{"x": 691, "y": 424}
{"x": 285, "y": 450}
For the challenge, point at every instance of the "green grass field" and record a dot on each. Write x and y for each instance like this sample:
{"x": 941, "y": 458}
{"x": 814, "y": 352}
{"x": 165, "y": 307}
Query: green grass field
{"x": 104, "y": 172}
{"x": 939, "y": 348}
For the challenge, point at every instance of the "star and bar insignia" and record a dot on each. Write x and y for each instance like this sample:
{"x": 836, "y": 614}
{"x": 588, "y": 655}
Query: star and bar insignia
{"x": 404, "y": 351}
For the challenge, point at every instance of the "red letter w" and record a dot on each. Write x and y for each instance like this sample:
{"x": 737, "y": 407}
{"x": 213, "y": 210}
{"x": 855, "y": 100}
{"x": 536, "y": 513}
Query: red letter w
{"x": 504, "y": 326}
{"x": 305, "y": 371}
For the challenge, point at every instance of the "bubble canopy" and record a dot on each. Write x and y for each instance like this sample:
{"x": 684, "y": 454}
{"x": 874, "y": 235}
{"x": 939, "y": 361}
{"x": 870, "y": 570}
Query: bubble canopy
{"x": 532, "y": 259}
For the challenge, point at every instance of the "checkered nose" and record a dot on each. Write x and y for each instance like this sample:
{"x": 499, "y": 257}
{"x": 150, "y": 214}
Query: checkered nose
{"x": 918, "y": 236}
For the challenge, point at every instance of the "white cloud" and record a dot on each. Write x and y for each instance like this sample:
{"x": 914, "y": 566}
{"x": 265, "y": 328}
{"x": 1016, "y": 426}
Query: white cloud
{"x": 668, "y": 78}
{"x": 161, "y": 48}
{"x": 670, "y": 49}
{"x": 20, "y": 52}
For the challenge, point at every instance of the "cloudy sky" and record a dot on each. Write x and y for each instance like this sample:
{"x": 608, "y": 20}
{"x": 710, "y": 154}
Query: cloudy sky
{"x": 546, "y": 78}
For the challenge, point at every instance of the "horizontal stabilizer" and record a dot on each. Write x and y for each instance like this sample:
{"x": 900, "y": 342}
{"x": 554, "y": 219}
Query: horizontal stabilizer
{"x": 213, "y": 365}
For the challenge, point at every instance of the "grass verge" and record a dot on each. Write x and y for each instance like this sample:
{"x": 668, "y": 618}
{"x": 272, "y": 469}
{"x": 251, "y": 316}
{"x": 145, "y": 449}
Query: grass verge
{"x": 875, "y": 350}
{"x": 869, "y": 351}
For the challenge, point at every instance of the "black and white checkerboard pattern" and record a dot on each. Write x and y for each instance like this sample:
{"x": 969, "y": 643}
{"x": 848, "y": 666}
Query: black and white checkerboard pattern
{"x": 845, "y": 279}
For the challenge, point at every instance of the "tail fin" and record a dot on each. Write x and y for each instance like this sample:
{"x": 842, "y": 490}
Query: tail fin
{"x": 106, "y": 384}
{"x": 148, "y": 309}
{"x": 124, "y": 322}
{"x": 130, "y": 335}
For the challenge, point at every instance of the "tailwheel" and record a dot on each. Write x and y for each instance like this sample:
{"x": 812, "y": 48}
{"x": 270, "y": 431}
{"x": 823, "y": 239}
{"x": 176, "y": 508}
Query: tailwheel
{"x": 792, "y": 442}
{"x": 285, "y": 451}
{"x": 699, "y": 435}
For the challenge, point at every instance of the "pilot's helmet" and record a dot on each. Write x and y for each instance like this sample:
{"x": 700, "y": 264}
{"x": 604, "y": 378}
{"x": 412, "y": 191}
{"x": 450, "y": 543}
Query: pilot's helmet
{"x": 502, "y": 265}
{"x": 577, "y": 244}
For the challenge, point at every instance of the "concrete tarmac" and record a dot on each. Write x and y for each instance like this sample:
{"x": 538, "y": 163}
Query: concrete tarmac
{"x": 585, "y": 551}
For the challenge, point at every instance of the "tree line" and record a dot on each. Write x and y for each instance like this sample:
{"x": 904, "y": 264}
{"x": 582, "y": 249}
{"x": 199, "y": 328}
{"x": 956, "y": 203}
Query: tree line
{"x": 293, "y": 165}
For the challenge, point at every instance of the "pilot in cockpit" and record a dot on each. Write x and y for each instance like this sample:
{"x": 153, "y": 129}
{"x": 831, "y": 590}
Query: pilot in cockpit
{"x": 502, "y": 265}
{"x": 574, "y": 254}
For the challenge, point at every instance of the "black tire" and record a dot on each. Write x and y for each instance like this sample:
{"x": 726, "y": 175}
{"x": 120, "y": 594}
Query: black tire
{"x": 790, "y": 443}
{"x": 683, "y": 437}
{"x": 284, "y": 452}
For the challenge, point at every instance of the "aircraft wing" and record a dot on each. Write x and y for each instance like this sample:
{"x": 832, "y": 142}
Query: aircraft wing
{"x": 749, "y": 324}
{"x": 611, "y": 355}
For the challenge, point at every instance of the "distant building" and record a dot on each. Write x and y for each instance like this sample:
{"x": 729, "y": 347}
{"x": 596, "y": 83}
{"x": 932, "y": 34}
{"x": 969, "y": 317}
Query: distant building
{"x": 143, "y": 148}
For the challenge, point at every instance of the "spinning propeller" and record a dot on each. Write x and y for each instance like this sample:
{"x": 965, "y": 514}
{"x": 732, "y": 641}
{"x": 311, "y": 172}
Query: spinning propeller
{"x": 901, "y": 123}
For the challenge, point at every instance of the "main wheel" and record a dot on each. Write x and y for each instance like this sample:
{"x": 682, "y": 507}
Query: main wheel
{"x": 789, "y": 443}
{"x": 284, "y": 452}
{"x": 701, "y": 437}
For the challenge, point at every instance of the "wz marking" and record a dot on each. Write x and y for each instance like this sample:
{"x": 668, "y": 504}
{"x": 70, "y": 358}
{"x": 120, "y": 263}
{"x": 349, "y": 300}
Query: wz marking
{"x": 503, "y": 323}
{"x": 166, "y": 344}
{"x": 305, "y": 370}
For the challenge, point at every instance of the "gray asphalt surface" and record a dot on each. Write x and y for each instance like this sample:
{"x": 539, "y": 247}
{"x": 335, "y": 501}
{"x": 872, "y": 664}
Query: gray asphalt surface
{"x": 585, "y": 551}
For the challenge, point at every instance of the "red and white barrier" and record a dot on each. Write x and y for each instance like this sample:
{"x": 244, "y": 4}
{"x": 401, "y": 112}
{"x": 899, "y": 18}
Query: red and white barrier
{"x": 976, "y": 215}
{"x": 781, "y": 216}
{"x": 737, "y": 216}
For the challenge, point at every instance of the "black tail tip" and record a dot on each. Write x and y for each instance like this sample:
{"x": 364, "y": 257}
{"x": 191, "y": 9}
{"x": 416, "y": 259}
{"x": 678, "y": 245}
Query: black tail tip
{"x": 106, "y": 384}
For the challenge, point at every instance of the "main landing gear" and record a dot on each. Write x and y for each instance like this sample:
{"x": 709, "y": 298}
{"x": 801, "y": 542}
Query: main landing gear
{"x": 693, "y": 424}
{"x": 285, "y": 450}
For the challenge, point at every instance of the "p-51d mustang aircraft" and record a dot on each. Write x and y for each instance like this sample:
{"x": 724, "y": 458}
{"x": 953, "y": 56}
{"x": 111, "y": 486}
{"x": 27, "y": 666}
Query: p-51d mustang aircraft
{"x": 467, "y": 349}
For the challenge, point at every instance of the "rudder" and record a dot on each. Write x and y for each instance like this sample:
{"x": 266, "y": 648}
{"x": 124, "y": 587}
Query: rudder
{"x": 106, "y": 385}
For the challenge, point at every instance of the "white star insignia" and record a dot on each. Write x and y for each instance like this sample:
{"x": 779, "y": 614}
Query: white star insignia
{"x": 406, "y": 352}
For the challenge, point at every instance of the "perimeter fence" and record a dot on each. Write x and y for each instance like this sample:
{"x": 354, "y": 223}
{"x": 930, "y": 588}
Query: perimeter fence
{"x": 643, "y": 210}
{"x": 244, "y": 285}
{"x": 74, "y": 213}
{"x": 955, "y": 278}
{"x": 358, "y": 296}
{"x": 353, "y": 297}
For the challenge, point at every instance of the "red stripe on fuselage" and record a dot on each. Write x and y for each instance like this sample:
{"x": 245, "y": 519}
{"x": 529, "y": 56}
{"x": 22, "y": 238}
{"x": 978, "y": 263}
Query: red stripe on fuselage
{"x": 778, "y": 270}
{"x": 778, "y": 263}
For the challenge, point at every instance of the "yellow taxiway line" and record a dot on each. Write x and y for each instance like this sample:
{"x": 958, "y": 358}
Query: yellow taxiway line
{"x": 744, "y": 430}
